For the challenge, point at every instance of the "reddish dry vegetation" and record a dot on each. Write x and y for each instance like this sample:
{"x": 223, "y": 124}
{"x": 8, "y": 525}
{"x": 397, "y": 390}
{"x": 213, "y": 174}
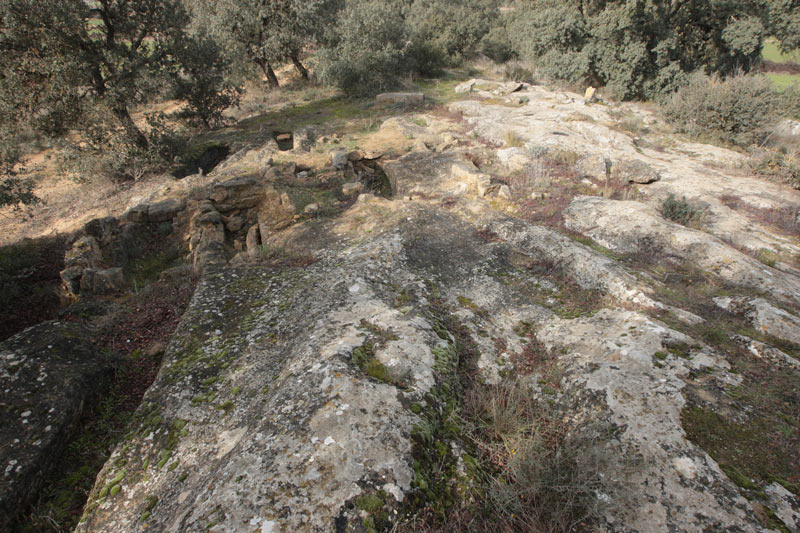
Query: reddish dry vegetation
{"x": 534, "y": 357}
{"x": 785, "y": 219}
{"x": 30, "y": 283}
{"x": 140, "y": 331}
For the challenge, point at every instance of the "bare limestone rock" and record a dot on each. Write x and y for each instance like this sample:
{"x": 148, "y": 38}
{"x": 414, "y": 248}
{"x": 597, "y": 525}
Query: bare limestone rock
{"x": 275, "y": 212}
{"x": 103, "y": 282}
{"x": 155, "y": 212}
{"x": 353, "y": 188}
{"x": 620, "y": 347}
{"x": 238, "y": 193}
{"x": 594, "y": 166}
{"x": 295, "y": 390}
{"x": 764, "y": 316}
{"x": 48, "y": 374}
{"x": 104, "y": 230}
{"x": 634, "y": 171}
{"x": 786, "y": 505}
{"x": 84, "y": 254}
{"x": 207, "y": 238}
{"x": 338, "y": 158}
{"x": 253, "y": 242}
{"x": 514, "y": 159}
{"x": 623, "y": 225}
{"x": 165, "y": 210}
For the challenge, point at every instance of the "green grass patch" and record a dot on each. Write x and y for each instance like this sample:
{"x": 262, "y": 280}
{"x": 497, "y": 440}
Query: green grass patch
{"x": 771, "y": 52}
{"x": 781, "y": 80}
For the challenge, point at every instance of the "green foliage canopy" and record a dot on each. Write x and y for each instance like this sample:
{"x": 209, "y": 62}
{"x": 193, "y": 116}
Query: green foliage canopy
{"x": 643, "y": 48}
{"x": 60, "y": 60}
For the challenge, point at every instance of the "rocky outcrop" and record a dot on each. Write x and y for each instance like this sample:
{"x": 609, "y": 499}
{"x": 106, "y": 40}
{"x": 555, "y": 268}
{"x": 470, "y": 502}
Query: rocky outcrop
{"x": 624, "y": 226}
{"x": 294, "y": 391}
{"x": 764, "y": 317}
{"x": 48, "y": 374}
{"x": 336, "y": 364}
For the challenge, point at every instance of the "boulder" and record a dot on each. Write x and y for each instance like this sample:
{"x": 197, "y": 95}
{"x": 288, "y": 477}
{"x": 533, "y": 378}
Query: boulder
{"x": 465, "y": 87}
{"x": 237, "y": 194}
{"x": 253, "y": 242}
{"x": 353, "y": 188}
{"x": 234, "y": 223}
{"x": 84, "y": 254}
{"x": 764, "y": 317}
{"x": 338, "y": 158}
{"x": 473, "y": 178}
{"x": 105, "y": 282}
{"x": 589, "y": 96}
{"x": 166, "y": 210}
{"x": 104, "y": 230}
{"x": 71, "y": 277}
{"x": 275, "y": 213}
{"x": 48, "y": 374}
{"x": 514, "y": 159}
{"x": 504, "y": 192}
{"x": 137, "y": 213}
{"x": 634, "y": 171}
{"x": 207, "y": 239}
{"x": 594, "y": 166}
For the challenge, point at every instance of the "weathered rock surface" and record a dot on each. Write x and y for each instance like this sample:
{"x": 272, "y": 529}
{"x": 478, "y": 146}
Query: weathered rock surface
{"x": 262, "y": 417}
{"x": 625, "y": 226}
{"x": 764, "y": 316}
{"x": 289, "y": 392}
{"x": 104, "y": 282}
{"x": 634, "y": 171}
{"x": 48, "y": 374}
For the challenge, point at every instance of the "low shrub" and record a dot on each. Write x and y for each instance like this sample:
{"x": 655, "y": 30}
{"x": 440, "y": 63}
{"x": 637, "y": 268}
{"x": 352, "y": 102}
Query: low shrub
{"x": 682, "y": 211}
{"x": 545, "y": 477}
{"x": 736, "y": 110}
{"x": 110, "y": 153}
{"x": 517, "y": 72}
{"x": 789, "y": 102}
{"x": 776, "y": 165}
{"x": 371, "y": 52}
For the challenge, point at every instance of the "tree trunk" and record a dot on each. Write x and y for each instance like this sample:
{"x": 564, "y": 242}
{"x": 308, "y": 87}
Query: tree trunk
{"x": 132, "y": 131}
{"x": 272, "y": 79}
{"x": 300, "y": 68}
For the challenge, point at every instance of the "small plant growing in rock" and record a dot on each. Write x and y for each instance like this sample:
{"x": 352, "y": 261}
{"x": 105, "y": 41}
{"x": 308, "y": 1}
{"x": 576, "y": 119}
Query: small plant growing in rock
{"x": 682, "y": 211}
{"x": 774, "y": 164}
{"x": 513, "y": 140}
{"x": 767, "y": 256}
{"x": 540, "y": 478}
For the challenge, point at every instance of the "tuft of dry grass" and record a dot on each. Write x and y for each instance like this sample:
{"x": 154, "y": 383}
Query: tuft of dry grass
{"x": 541, "y": 476}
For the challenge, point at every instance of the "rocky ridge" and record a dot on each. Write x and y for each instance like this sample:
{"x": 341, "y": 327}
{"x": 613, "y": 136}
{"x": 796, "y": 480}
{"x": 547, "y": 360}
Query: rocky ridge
{"x": 307, "y": 374}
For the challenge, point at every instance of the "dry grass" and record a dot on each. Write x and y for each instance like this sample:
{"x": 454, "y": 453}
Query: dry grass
{"x": 540, "y": 475}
